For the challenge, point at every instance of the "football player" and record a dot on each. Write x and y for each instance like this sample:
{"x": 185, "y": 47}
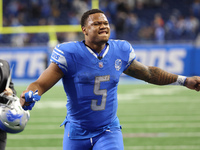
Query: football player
{"x": 90, "y": 72}
{"x": 4, "y": 75}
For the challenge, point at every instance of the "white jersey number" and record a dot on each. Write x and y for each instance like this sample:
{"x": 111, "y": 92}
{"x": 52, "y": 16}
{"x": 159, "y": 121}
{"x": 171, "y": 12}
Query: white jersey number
{"x": 98, "y": 91}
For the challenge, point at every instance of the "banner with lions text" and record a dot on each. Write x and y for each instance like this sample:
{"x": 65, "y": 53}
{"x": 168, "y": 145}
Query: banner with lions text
{"x": 30, "y": 62}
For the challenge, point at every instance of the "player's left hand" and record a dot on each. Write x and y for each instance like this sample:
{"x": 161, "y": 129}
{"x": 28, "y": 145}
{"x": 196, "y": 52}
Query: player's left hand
{"x": 193, "y": 83}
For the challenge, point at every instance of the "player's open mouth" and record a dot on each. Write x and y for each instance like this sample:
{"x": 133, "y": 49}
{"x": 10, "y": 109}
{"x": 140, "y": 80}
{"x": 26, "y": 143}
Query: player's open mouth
{"x": 103, "y": 32}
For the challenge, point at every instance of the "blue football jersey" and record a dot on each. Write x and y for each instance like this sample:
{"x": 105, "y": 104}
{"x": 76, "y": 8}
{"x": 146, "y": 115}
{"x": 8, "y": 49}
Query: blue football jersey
{"x": 91, "y": 84}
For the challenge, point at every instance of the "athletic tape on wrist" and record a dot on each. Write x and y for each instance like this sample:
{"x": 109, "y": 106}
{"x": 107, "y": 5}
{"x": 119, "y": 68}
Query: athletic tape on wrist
{"x": 180, "y": 80}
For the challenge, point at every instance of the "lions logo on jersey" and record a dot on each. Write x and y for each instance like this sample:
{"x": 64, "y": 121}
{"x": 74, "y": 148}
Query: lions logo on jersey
{"x": 118, "y": 64}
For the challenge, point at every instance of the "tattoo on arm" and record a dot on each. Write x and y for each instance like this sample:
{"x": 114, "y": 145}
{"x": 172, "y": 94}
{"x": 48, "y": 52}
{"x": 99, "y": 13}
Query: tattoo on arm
{"x": 161, "y": 77}
{"x": 150, "y": 74}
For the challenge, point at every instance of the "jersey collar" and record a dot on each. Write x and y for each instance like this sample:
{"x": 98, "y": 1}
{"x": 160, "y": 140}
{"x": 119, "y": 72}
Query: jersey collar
{"x": 100, "y": 55}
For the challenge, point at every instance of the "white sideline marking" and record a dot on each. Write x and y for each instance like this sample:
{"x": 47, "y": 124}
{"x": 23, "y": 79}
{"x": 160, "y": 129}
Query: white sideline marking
{"x": 138, "y": 93}
{"x": 140, "y": 100}
{"x": 50, "y": 104}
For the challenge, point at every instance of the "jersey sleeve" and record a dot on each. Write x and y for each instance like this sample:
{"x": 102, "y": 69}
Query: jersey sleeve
{"x": 58, "y": 57}
{"x": 131, "y": 55}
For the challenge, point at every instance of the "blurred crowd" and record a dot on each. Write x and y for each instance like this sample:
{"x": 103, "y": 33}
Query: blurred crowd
{"x": 133, "y": 20}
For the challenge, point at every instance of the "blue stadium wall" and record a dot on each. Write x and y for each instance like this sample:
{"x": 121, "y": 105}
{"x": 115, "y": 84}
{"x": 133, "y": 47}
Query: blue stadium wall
{"x": 30, "y": 62}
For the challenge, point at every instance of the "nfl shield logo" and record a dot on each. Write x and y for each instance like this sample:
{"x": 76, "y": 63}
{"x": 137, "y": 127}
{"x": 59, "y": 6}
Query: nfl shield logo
{"x": 100, "y": 64}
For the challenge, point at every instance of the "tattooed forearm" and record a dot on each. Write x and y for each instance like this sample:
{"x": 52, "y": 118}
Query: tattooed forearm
{"x": 150, "y": 74}
{"x": 161, "y": 77}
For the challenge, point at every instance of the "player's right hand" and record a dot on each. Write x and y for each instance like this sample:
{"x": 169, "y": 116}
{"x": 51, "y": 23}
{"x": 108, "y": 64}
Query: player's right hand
{"x": 22, "y": 98}
{"x": 28, "y": 99}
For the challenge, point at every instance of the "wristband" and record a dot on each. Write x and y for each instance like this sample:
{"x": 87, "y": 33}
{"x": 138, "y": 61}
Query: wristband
{"x": 180, "y": 80}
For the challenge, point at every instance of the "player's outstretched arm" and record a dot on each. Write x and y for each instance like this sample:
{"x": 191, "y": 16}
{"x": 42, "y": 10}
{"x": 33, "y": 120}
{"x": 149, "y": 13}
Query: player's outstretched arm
{"x": 46, "y": 80}
{"x": 158, "y": 76}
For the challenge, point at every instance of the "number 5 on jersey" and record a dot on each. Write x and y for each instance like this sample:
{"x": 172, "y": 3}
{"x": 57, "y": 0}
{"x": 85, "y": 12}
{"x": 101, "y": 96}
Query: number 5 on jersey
{"x": 98, "y": 91}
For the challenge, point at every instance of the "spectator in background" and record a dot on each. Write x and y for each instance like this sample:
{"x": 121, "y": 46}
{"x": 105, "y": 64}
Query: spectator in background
{"x": 170, "y": 27}
{"x": 159, "y": 34}
{"x": 132, "y": 26}
{"x": 159, "y": 30}
{"x": 191, "y": 27}
{"x": 195, "y": 8}
{"x": 112, "y": 8}
{"x": 120, "y": 24}
{"x": 19, "y": 39}
{"x": 180, "y": 26}
{"x": 146, "y": 33}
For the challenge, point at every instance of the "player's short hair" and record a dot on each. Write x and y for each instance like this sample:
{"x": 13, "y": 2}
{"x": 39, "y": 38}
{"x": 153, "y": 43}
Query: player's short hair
{"x": 87, "y": 13}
